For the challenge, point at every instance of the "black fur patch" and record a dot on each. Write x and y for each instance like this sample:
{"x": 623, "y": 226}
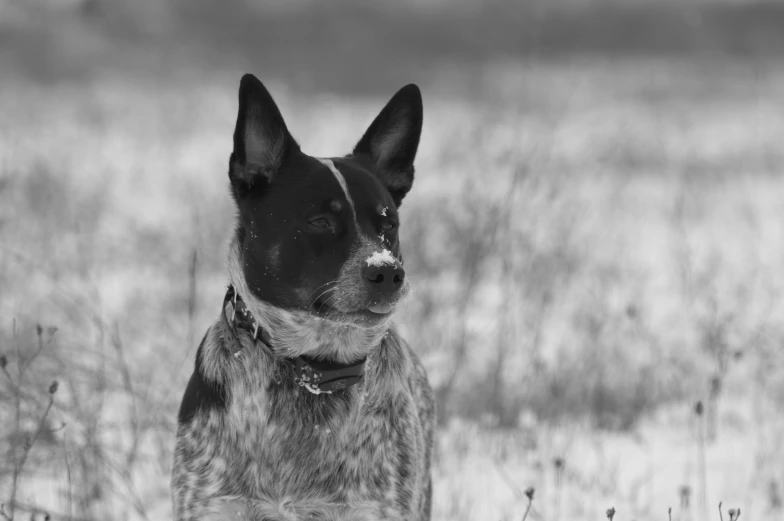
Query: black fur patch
{"x": 201, "y": 393}
{"x": 261, "y": 139}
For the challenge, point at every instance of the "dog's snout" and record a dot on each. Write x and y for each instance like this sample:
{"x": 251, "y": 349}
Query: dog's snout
{"x": 385, "y": 278}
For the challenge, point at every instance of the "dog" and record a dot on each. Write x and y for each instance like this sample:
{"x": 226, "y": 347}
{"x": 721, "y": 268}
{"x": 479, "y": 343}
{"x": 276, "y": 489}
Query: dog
{"x": 305, "y": 402}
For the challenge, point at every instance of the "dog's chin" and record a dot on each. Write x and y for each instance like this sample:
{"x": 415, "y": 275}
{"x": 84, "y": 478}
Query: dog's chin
{"x": 367, "y": 317}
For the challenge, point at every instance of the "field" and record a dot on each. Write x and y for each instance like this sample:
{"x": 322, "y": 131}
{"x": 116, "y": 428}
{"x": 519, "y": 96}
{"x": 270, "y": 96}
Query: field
{"x": 595, "y": 245}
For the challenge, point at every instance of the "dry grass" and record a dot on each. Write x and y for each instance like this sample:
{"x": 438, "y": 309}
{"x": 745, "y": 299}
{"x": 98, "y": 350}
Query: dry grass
{"x": 595, "y": 246}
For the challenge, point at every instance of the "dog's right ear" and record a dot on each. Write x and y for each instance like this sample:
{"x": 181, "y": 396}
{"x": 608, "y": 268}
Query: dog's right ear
{"x": 261, "y": 140}
{"x": 391, "y": 141}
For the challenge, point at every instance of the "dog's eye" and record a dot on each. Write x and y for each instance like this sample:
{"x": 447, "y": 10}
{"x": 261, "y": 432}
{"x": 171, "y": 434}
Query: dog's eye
{"x": 320, "y": 222}
{"x": 388, "y": 225}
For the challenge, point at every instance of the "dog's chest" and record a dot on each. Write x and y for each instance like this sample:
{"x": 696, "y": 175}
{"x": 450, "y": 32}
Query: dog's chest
{"x": 288, "y": 442}
{"x": 361, "y": 446}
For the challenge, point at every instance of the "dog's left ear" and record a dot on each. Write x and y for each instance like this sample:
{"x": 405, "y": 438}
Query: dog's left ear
{"x": 392, "y": 139}
{"x": 261, "y": 140}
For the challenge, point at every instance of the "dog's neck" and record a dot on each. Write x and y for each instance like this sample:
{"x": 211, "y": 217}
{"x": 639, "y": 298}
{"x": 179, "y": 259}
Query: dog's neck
{"x": 296, "y": 333}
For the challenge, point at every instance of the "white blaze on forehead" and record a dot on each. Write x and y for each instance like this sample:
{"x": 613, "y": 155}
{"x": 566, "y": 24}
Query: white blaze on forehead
{"x": 342, "y": 182}
{"x": 381, "y": 258}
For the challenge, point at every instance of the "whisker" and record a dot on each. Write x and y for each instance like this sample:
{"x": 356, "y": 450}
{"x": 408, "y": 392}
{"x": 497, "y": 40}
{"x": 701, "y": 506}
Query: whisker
{"x": 325, "y": 292}
{"x": 328, "y": 301}
{"x": 325, "y": 284}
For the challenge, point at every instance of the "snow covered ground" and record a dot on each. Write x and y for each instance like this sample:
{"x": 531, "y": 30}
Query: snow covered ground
{"x": 594, "y": 247}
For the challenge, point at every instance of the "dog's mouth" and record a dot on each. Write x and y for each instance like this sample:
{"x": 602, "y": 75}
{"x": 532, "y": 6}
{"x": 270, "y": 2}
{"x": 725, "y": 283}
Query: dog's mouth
{"x": 381, "y": 309}
{"x": 372, "y": 313}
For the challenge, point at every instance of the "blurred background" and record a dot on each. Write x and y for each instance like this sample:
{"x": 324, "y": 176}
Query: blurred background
{"x": 594, "y": 239}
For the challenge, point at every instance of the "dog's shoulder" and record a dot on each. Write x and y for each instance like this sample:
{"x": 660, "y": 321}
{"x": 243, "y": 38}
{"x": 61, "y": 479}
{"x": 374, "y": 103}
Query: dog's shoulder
{"x": 416, "y": 378}
{"x": 203, "y": 392}
{"x": 418, "y": 388}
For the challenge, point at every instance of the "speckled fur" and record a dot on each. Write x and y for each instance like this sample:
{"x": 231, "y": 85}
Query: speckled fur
{"x": 277, "y": 452}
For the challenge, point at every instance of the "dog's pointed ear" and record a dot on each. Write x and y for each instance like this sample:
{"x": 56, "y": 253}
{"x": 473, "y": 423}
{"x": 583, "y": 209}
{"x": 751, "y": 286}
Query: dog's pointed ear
{"x": 261, "y": 140}
{"x": 392, "y": 139}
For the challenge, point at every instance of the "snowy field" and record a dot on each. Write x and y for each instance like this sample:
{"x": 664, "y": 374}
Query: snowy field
{"x": 595, "y": 246}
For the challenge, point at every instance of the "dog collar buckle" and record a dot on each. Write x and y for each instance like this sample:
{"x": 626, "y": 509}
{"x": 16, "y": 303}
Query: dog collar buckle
{"x": 320, "y": 377}
{"x": 236, "y": 315}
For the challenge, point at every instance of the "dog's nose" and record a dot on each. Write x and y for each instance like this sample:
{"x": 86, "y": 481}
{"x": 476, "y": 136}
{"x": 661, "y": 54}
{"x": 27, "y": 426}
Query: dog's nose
{"x": 385, "y": 278}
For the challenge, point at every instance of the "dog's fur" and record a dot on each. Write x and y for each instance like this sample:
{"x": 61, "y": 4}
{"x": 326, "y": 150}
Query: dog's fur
{"x": 251, "y": 443}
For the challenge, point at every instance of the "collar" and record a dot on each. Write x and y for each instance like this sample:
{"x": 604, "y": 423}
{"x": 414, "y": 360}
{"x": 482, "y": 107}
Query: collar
{"x": 317, "y": 376}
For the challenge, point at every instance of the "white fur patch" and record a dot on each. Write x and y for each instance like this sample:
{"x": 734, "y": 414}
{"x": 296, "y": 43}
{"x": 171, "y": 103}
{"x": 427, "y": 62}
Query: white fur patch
{"x": 342, "y": 181}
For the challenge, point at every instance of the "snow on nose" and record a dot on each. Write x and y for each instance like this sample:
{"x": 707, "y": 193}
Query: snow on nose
{"x": 381, "y": 258}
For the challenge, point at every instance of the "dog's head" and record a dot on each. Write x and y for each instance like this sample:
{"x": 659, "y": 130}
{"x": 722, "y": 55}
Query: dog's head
{"x": 321, "y": 235}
